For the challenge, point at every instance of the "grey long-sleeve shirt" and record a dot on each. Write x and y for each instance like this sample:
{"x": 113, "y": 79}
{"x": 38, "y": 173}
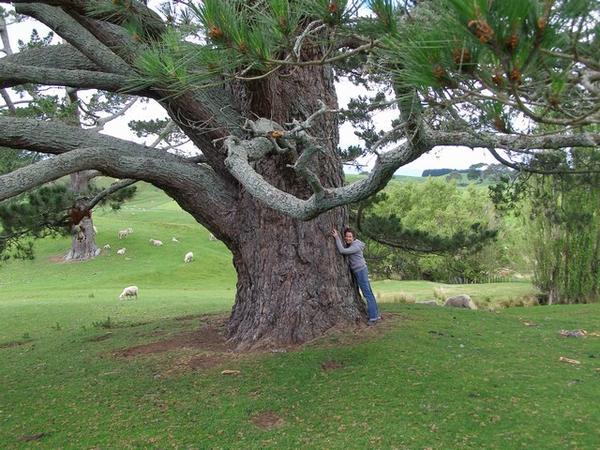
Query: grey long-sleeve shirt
{"x": 354, "y": 252}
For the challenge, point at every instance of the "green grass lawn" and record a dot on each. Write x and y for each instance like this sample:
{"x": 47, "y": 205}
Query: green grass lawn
{"x": 426, "y": 377}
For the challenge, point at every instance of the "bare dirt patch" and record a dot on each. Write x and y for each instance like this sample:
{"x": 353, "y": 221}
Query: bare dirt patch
{"x": 267, "y": 420}
{"x": 60, "y": 259}
{"x": 10, "y": 344}
{"x": 205, "y": 362}
{"x": 209, "y": 337}
{"x": 57, "y": 259}
{"x": 31, "y": 437}
{"x": 331, "y": 365}
{"x": 206, "y": 347}
{"x": 99, "y": 337}
{"x": 339, "y": 337}
{"x": 190, "y": 317}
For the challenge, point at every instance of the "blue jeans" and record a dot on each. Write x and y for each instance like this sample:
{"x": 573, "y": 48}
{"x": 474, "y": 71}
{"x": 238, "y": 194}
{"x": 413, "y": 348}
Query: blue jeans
{"x": 362, "y": 278}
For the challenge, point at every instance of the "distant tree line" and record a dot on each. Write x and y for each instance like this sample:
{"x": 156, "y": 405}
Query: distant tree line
{"x": 476, "y": 172}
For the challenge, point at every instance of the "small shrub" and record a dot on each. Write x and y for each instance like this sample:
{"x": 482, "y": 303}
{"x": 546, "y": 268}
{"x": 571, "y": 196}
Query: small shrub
{"x": 526, "y": 301}
{"x": 440, "y": 294}
{"x": 56, "y": 327}
{"x": 396, "y": 297}
{"x": 26, "y": 336}
{"x": 91, "y": 295}
{"x": 530, "y": 300}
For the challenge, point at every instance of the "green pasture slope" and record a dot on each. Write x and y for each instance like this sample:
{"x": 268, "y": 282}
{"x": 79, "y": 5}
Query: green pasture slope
{"x": 427, "y": 377}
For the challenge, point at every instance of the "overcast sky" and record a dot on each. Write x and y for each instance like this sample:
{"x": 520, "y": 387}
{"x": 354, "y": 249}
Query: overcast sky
{"x": 441, "y": 157}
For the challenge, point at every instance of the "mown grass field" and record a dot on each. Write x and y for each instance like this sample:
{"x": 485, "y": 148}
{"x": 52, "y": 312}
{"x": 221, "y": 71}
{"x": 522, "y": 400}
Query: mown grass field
{"x": 426, "y": 377}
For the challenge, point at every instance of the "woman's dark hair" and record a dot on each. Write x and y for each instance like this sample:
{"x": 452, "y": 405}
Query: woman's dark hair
{"x": 349, "y": 230}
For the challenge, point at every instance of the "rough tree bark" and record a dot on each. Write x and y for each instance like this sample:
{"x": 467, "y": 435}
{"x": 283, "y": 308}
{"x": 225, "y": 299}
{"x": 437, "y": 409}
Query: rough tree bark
{"x": 83, "y": 234}
{"x": 292, "y": 283}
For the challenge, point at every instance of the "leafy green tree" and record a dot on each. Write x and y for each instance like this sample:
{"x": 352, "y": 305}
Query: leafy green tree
{"x": 565, "y": 226}
{"x": 431, "y": 230}
{"x": 251, "y": 84}
{"x": 561, "y": 214}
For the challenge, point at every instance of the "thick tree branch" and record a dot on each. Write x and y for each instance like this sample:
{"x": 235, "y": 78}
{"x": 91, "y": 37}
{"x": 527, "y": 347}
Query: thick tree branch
{"x": 29, "y": 177}
{"x": 195, "y": 187}
{"x": 238, "y": 164}
{"x": 184, "y": 179}
{"x": 72, "y": 31}
{"x": 152, "y": 23}
{"x": 55, "y": 137}
{"x": 61, "y": 56}
{"x": 15, "y": 74}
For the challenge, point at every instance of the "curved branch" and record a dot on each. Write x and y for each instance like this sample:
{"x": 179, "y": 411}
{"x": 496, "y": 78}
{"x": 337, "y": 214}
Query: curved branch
{"x": 195, "y": 187}
{"x": 114, "y": 187}
{"x": 238, "y": 164}
{"x": 29, "y": 177}
{"x": 100, "y": 123}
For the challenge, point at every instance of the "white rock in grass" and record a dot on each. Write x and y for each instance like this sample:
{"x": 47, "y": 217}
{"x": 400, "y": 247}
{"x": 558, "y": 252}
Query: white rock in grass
{"x": 460, "y": 301}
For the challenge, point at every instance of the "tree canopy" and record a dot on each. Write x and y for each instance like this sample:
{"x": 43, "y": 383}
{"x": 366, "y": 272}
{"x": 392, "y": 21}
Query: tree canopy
{"x": 477, "y": 74}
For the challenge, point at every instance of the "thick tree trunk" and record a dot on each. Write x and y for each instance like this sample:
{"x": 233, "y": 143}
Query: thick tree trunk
{"x": 83, "y": 241}
{"x": 292, "y": 283}
{"x": 83, "y": 235}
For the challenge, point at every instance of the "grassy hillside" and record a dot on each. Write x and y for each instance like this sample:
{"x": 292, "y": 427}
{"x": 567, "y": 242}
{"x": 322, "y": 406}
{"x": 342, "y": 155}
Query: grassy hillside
{"x": 81, "y": 369}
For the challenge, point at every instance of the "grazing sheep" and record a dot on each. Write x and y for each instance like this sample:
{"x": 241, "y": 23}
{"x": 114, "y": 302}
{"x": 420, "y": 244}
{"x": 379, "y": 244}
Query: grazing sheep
{"x": 211, "y": 237}
{"x": 156, "y": 242}
{"x": 174, "y": 239}
{"x": 122, "y": 234}
{"x": 129, "y": 291}
{"x": 106, "y": 247}
{"x": 189, "y": 257}
{"x": 460, "y": 301}
{"x": 121, "y": 251}
{"x": 129, "y": 230}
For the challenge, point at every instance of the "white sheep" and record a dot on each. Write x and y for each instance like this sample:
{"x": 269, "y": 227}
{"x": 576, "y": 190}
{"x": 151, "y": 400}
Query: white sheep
{"x": 189, "y": 257}
{"x": 129, "y": 230}
{"x": 174, "y": 239}
{"x": 122, "y": 234}
{"x": 129, "y": 291}
{"x": 156, "y": 242}
{"x": 121, "y": 251}
{"x": 106, "y": 247}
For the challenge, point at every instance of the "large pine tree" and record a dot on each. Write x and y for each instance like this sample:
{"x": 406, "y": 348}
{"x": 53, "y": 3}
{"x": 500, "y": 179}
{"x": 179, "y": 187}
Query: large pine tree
{"x": 251, "y": 83}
